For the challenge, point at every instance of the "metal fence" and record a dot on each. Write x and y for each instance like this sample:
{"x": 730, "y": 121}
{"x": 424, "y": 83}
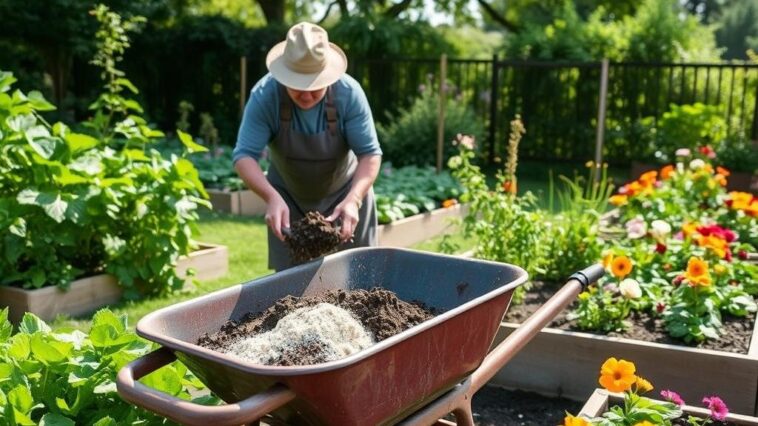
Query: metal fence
{"x": 558, "y": 101}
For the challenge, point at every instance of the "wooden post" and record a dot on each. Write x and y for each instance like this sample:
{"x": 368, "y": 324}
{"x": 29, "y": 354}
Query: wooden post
{"x": 601, "y": 117}
{"x": 441, "y": 116}
{"x": 243, "y": 84}
{"x": 494, "y": 90}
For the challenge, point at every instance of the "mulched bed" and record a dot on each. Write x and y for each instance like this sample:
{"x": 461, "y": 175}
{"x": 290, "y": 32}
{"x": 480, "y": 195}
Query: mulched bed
{"x": 643, "y": 326}
{"x": 495, "y": 406}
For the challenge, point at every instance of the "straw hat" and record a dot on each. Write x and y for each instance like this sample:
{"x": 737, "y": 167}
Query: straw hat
{"x": 306, "y": 60}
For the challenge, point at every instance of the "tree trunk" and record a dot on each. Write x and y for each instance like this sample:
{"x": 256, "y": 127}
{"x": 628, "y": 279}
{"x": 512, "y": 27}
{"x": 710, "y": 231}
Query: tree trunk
{"x": 273, "y": 10}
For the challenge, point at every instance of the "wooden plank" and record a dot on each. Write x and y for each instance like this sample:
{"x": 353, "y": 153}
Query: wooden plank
{"x": 596, "y": 404}
{"x": 421, "y": 227}
{"x": 244, "y": 203}
{"x": 88, "y": 294}
{"x": 567, "y": 364}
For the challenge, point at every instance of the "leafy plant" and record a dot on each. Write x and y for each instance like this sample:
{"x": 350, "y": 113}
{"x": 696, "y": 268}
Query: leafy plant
{"x": 67, "y": 377}
{"x": 688, "y": 126}
{"x": 83, "y": 203}
{"x": 406, "y": 191}
{"x": 411, "y": 135}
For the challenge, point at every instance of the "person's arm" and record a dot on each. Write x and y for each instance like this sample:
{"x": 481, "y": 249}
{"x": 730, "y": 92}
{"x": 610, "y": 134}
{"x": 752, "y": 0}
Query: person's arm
{"x": 347, "y": 209}
{"x": 277, "y": 212}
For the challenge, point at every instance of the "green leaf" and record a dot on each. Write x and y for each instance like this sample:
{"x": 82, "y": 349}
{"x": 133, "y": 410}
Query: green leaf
{"x": 165, "y": 380}
{"x": 6, "y": 328}
{"x": 31, "y": 324}
{"x": 78, "y": 142}
{"x": 54, "y": 419}
{"x": 28, "y": 197}
{"x": 18, "y": 227}
{"x": 21, "y": 398}
{"x": 50, "y": 351}
{"x": 55, "y": 208}
{"x": 45, "y": 147}
{"x": 127, "y": 84}
{"x": 19, "y": 123}
{"x": 89, "y": 164}
{"x": 107, "y": 317}
{"x": 20, "y": 346}
{"x": 6, "y": 80}
{"x": 190, "y": 144}
{"x": 39, "y": 102}
{"x": 133, "y": 105}
{"x": 105, "y": 421}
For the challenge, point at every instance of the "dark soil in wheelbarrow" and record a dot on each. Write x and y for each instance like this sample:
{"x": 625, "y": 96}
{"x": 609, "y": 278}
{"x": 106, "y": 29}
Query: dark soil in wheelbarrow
{"x": 312, "y": 237}
{"x": 643, "y": 326}
{"x": 380, "y": 312}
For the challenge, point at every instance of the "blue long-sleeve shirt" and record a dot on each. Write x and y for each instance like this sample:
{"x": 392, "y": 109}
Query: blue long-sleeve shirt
{"x": 260, "y": 122}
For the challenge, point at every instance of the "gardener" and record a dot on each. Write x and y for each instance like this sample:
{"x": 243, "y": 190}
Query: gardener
{"x": 323, "y": 146}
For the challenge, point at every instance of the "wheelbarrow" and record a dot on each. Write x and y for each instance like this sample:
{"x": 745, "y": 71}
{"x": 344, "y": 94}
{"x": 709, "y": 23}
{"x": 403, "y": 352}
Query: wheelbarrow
{"x": 415, "y": 377}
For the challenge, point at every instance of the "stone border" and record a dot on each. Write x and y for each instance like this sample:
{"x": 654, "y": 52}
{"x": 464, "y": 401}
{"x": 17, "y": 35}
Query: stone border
{"x": 91, "y": 293}
{"x": 600, "y": 400}
{"x": 567, "y": 364}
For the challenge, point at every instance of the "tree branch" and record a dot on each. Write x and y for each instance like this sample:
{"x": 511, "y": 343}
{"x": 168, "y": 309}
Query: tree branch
{"x": 397, "y": 8}
{"x": 497, "y": 17}
{"x": 343, "y": 8}
{"x": 326, "y": 14}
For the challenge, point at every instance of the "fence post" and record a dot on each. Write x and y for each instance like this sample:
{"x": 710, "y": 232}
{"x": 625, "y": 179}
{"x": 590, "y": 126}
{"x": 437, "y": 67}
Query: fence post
{"x": 493, "y": 106}
{"x": 441, "y": 116}
{"x": 754, "y": 131}
{"x": 601, "y": 116}
{"x": 243, "y": 84}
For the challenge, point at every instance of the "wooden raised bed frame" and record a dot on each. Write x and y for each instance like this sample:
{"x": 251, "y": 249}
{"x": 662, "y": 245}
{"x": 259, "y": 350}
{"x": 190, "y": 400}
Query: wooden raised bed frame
{"x": 600, "y": 400}
{"x": 567, "y": 364}
{"x": 89, "y": 294}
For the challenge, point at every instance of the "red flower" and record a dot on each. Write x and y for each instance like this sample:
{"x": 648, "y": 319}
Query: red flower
{"x": 678, "y": 280}
{"x": 660, "y": 307}
{"x": 660, "y": 248}
{"x": 742, "y": 254}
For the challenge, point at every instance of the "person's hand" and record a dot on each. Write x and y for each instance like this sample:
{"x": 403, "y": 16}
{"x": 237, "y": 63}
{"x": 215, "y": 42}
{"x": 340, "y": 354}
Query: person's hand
{"x": 277, "y": 215}
{"x": 347, "y": 210}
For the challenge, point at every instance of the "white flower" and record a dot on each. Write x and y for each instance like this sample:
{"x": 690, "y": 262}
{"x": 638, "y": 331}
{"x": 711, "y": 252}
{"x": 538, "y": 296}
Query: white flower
{"x": 697, "y": 164}
{"x": 636, "y": 228}
{"x": 682, "y": 152}
{"x": 660, "y": 229}
{"x": 630, "y": 289}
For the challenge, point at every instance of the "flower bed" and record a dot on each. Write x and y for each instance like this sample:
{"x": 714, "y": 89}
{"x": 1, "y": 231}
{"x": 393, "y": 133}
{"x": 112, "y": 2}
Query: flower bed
{"x": 91, "y": 293}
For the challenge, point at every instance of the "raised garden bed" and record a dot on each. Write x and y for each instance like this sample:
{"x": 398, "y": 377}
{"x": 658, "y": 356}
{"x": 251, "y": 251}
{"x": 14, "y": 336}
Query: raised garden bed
{"x": 91, "y": 293}
{"x": 421, "y": 227}
{"x": 601, "y": 400}
{"x": 564, "y": 363}
{"x": 242, "y": 202}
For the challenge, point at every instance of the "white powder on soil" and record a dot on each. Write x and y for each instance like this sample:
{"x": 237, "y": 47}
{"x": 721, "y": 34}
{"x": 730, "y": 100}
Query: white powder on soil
{"x": 330, "y": 328}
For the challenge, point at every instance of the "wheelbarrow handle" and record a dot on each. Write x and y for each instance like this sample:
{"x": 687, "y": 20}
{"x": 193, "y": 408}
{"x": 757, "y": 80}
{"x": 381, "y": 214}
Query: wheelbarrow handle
{"x": 186, "y": 412}
{"x": 509, "y": 347}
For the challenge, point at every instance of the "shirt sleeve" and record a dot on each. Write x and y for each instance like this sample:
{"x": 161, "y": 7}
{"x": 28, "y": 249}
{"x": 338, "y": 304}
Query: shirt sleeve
{"x": 257, "y": 128}
{"x": 358, "y": 126}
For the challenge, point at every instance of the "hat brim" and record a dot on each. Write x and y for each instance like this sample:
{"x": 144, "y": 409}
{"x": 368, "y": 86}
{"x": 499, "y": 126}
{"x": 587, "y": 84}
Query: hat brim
{"x": 336, "y": 65}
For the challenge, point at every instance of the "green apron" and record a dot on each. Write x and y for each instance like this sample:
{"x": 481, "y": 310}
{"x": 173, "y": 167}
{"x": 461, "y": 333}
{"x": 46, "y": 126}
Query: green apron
{"x": 314, "y": 173}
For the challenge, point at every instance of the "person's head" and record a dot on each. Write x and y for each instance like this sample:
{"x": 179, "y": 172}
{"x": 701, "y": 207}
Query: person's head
{"x": 306, "y": 63}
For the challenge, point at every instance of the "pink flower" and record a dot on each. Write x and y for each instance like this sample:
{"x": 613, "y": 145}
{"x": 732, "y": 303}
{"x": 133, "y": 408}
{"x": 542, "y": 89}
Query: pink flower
{"x": 636, "y": 228}
{"x": 672, "y": 396}
{"x": 719, "y": 410}
{"x": 682, "y": 152}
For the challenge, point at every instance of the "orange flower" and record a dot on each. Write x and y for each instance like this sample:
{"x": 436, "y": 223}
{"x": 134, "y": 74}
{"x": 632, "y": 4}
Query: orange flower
{"x": 667, "y": 171}
{"x": 643, "y": 385}
{"x": 634, "y": 188}
{"x": 720, "y": 179}
{"x": 619, "y": 200}
{"x": 697, "y": 272}
{"x": 719, "y": 246}
{"x": 648, "y": 178}
{"x": 621, "y": 267}
{"x": 723, "y": 171}
{"x": 741, "y": 200}
{"x": 617, "y": 375}
{"x": 575, "y": 421}
{"x": 509, "y": 187}
{"x": 449, "y": 203}
{"x": 689, "y": 228}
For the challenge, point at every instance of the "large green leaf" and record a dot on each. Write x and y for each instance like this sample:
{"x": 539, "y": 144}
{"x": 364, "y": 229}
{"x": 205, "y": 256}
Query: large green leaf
{"x": 6, "y": 328}
{"x": 21, "y": 398}
{"x": 191, "y": 145}
{"x": 54, "y": 419}
{"x": 50, "y": 351}
{"x": 19, "y": 123}
{"x": 20, "y": 346}
{"x": 6, "y": 80}
{"x": 31, "y": 324}
{"x": 44, "y": 146}
{"x": 78, "y": 142}
{"x": 89, "y": 164}
{"x": 54, "y": 207}
{"x": 18, "y": 227}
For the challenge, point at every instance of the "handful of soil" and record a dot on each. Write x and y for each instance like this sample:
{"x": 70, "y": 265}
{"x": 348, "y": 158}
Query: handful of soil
{"x": 378, "y": 310}
{"x": 312, "y": 237}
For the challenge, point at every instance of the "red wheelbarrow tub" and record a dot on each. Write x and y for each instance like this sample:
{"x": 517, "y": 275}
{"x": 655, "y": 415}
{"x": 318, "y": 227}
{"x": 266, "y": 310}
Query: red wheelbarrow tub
{"x": 378, "y": 385}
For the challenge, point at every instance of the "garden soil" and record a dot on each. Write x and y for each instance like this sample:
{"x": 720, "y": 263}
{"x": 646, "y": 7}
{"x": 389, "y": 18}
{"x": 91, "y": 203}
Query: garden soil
{"x": 644, "y": 327}
{"x": 312, "y": 237}
{"x": 378, "y": 310}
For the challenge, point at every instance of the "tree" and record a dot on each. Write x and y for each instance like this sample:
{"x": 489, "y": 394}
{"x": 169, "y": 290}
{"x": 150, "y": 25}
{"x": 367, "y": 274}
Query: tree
{"x": 738, "y": 29}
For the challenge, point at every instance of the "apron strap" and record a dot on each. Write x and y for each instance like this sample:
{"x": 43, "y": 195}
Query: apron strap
{"x": 331, "y": 112}
{"x": 285, "y": 106}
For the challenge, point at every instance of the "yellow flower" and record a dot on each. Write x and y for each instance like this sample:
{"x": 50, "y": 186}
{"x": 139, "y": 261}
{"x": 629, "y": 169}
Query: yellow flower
{"x": 718, "y": 245}
{"x": 618, "y": 200}
{"x": 719, "y": 269}
{"x": 689, "y": 228}
{"x": 697, "y": 272}
{"x": 575, "y": 421}
{"x": 621, "y": 267}
{"x": 449, "y": 203}
{"x": 584, "y": 295}
{"x": 617, "y": 375}
{"x": 644, "y": 423}
{"x": 607, "y": 259}
{"x": 643, "y": 385}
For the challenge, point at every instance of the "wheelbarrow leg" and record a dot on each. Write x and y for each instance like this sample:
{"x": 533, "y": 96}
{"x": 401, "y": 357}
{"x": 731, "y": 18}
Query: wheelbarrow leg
{"x": 463, "y": 415}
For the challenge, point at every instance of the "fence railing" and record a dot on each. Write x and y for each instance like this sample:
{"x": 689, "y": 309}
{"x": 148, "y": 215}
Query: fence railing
{"x": 558, "y": 101}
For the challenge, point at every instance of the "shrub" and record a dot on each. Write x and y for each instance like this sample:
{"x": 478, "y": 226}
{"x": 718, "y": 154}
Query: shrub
{"x": 68, "y": 377}
{"x": 688, "y": 126}
{"x": 410, "y": 138}
{"x": 80, "y": 203}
